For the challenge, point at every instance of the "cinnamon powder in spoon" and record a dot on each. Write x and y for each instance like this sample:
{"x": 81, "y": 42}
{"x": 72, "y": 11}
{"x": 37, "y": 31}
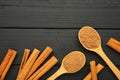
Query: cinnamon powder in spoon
{"x": 73, "y": 62}
{"x": 88, "y": 37}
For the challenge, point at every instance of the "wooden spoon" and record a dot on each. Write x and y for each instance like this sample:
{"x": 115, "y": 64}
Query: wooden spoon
{"x": 71, "y": 63}
{"x": 91, "y": 40}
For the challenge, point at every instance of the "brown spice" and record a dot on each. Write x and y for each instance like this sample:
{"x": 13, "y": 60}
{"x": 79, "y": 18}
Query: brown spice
{"x": 93, "y": 70}
{"x": 14, "y": 53}
{"x": 99, "y": 67}
{"x": 73, "y": 62}
{"x": 89, "y": 37}
{"x": 43, "y": 69}
{"x": 115, "y": 44}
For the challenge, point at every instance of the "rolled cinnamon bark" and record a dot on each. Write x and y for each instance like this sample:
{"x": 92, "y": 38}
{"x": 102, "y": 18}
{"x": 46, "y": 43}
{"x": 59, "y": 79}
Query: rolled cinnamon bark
{"x": 47, "y": 66}
{"x": 115, "y": 44}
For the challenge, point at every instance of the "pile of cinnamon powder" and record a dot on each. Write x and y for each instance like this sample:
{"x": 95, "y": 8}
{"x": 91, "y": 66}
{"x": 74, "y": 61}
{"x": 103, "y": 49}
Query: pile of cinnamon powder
{"x": 73, "y": 62}
{"x": 89, "y": 38}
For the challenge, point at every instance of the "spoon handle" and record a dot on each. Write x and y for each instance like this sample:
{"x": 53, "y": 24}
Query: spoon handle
{"x": 109, "y": 62}
{"x": 57, "y": 74}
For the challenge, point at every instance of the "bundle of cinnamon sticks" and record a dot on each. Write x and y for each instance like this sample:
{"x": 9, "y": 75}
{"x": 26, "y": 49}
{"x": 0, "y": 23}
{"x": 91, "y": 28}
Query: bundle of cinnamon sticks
{"x": 95, "y": 69}
{"x": 6, "y": 63}
{"x": 31, "y": 67}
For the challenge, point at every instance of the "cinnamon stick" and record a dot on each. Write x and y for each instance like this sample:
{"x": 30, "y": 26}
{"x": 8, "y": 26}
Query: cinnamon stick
{"x": 47, "y": 66}
{"x": 93, "y": 70}
{"x": 5, "y": 61}
{"x": 47, "y": 51}
{"x": 28, "y": 65}
{"x": 99, "y": 67}
{"x": 115, "y": 44}
{"x": 13, "y": 55}
{"x": 26, "y": 56}
{"x": 24, "y": 59}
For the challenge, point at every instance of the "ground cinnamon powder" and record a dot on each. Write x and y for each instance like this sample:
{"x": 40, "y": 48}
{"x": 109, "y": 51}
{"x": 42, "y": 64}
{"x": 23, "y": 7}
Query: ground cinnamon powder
{"x": 73, "y": 62}
{"x": 89, "y": 37}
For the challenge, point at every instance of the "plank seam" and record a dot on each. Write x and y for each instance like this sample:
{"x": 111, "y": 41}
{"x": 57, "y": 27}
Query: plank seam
{"x": 55, "y": 28}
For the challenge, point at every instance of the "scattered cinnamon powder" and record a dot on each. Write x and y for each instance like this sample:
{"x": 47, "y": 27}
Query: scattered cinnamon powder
{"x": 89, "y": 37}
{"x": 73, "y": 62}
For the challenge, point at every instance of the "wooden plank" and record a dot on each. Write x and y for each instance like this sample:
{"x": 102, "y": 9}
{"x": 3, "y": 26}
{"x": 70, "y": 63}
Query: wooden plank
{"x": 77, "y": 76}
{"x": 45, "y": 17}
{"x": 62, "y": 41}
{"x": 63, "y": 3}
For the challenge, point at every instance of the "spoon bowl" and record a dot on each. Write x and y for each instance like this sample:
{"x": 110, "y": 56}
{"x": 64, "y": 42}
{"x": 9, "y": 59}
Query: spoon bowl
{"x": 90, "y": 39}
{"x": 71, "y": 63}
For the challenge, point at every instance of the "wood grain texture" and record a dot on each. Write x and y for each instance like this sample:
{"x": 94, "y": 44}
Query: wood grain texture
{"x": 59, "y": 13}
{"x": 63, "y": 3}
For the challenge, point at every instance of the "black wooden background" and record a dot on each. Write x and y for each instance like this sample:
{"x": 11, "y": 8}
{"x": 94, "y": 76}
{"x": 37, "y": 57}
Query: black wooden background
{"x": 38, "y": 23}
